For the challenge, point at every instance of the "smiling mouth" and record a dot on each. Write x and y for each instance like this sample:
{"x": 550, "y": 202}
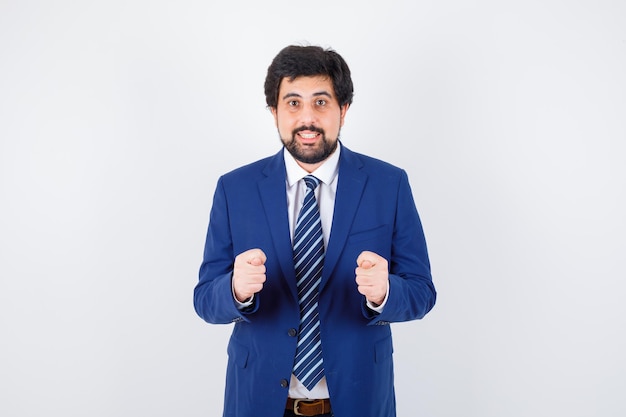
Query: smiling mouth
{"x": 308, "y": 136}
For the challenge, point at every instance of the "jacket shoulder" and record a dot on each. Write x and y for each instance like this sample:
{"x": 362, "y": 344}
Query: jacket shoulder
{"x": 372, "y": 165}
{"x": 254, "y": 171}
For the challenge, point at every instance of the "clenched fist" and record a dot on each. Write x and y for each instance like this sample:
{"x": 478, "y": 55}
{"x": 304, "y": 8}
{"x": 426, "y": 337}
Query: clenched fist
{"x": 248, "y": 274}
{"x": 372, "y": 276}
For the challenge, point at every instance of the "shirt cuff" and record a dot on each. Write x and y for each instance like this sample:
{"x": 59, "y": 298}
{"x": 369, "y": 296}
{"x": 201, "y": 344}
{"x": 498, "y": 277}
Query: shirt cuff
{"x": 239, "y": 304}
{"x": 379, "y": 308}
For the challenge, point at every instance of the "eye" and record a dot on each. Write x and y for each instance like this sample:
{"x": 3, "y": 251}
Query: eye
{"x": 320, "y": 102}
{"x": 292, "y": 103}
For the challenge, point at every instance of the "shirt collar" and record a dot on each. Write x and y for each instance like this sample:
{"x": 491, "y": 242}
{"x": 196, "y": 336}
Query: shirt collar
{"x": 326, "y": 172}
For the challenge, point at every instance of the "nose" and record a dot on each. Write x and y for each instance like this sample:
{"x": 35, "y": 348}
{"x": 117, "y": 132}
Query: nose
{"x": 308, "y": 115}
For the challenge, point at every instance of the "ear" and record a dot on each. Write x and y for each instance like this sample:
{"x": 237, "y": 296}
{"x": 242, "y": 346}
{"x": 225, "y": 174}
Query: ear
{"x": 275, "y": 114}
{"x": 342, "y": 115}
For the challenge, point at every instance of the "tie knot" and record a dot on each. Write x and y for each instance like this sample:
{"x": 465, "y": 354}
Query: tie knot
{"x": 311, "y": 182}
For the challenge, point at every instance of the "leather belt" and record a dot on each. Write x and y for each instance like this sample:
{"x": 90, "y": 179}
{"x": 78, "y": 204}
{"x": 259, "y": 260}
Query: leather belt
{"x": 308, "y": 407}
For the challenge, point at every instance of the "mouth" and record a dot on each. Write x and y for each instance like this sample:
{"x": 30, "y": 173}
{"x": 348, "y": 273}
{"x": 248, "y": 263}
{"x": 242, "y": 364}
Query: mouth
{"x": 308, "y": 137}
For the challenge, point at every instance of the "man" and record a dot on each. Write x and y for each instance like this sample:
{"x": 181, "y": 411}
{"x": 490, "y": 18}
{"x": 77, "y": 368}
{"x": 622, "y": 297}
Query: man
{"x": 312, "y": 337}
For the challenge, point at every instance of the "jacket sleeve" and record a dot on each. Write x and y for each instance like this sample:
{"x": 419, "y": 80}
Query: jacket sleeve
{"x": 411, "y": 291}
{"x": 213, "y": 297}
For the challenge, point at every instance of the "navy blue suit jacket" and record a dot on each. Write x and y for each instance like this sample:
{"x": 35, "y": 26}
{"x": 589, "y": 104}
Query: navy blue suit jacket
{"x": 374, "y": 211}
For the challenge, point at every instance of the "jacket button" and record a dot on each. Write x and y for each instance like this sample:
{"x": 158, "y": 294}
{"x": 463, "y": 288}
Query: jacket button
{"x": 292, "y": 332}
{"x": 284, "y": 383}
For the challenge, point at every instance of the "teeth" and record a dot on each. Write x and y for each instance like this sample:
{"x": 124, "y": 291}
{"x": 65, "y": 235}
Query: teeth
{"x": 308, "y": 135}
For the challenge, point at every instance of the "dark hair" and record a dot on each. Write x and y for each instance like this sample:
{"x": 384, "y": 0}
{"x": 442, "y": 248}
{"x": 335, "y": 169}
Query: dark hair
{"x": 295, "y": 61}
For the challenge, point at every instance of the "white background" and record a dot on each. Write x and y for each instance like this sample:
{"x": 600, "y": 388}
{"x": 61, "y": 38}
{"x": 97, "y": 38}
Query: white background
{"x": 117, "y": 117}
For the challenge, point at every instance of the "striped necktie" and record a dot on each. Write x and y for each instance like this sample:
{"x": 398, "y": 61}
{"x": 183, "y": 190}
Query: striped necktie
{"x": 308, "y": 255}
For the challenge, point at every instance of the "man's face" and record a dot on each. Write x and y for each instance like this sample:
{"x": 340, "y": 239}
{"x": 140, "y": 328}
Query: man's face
{"x": 309, "y": 118}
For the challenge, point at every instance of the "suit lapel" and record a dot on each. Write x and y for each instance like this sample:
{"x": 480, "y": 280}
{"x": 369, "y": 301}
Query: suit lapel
{"x": 274, "y": 199}
{"x": 349, "y": 190}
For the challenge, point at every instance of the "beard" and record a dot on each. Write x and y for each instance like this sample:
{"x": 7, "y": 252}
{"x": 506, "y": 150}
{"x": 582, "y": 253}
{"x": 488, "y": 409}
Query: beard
{"x": 310, "y": 154}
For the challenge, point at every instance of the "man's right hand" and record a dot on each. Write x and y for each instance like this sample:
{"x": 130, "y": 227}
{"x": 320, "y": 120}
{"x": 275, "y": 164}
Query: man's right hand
{"x": 248, "y": 274}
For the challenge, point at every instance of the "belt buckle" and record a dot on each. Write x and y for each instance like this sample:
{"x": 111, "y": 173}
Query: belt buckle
{"x": 295, "y": 407}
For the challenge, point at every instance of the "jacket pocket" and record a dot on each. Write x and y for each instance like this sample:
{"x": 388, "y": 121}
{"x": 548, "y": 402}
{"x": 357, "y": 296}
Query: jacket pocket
{"x": 238, "y": 353}
{"x": 376, "y": 239}
{"x": 383, "y": 350}
{"x": 371, "y": 234}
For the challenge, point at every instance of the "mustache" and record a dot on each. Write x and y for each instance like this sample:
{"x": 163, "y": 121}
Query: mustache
{"x": 309, "y": 128}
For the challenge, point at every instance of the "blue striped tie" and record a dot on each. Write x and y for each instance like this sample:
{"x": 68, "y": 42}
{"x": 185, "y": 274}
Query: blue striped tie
{"x": 308, "y": 255}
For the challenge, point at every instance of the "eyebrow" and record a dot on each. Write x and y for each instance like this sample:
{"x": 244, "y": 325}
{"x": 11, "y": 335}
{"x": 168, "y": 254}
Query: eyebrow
{"x": 319, "y": 93}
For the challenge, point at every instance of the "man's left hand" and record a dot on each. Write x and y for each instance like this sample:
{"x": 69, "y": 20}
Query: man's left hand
{"x": 372, "y": 276}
